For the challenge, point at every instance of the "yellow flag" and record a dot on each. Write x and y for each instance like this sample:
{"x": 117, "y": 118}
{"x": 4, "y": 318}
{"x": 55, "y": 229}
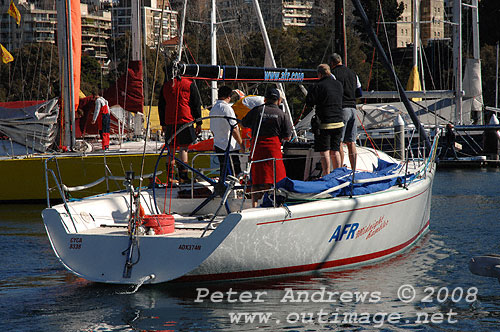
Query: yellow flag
{"x": 14, "y": 12}
{"x": 6, "y": 56}
{"x": 414, "y": 83}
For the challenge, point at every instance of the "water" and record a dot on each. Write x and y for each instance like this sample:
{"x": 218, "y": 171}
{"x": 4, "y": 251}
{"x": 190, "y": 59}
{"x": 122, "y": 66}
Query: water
{"x": 37, "y": 294}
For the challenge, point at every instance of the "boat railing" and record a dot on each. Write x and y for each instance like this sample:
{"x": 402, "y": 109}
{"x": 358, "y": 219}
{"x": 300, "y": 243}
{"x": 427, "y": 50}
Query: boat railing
{"x": 240, "y": 154}
{"x": 64, "y": 190}
{"x": 57, "y": 180}
{"x": 201, "y": 154}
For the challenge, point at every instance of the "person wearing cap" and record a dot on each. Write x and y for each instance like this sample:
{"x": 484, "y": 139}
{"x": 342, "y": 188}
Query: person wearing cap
{"x": 102, "y": 108}
{"x": 179, "y": 103}
{"x": 270, "y": 126}
{"x": 326, "y": 96}
{"x": 226, "y": 132}
{"x": 352, "y": 90}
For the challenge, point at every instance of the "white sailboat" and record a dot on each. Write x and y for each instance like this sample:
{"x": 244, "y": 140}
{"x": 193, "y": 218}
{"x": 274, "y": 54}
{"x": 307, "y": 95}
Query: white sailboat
{"x": 108, "y": 239}
{"x": 209, "y": 231}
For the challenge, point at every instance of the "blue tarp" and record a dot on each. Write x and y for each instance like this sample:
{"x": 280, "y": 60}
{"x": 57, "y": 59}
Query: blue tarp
{"x": 341, "y": 175}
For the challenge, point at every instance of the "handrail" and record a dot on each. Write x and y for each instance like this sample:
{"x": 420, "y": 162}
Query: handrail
{"x": 66, "y": 207}
{"x": 210, "y": 154}
{"x": 96, "y": 182}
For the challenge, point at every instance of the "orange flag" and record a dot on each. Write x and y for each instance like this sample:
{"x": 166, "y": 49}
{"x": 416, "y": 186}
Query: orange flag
{"x": 14, "y": 12}
{"x": 6, "y": 56}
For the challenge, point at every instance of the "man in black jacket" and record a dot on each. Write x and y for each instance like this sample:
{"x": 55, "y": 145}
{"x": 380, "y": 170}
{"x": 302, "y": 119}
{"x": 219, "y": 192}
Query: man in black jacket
{"x": 326, "y": 95}
{"x": 352, "y": 89}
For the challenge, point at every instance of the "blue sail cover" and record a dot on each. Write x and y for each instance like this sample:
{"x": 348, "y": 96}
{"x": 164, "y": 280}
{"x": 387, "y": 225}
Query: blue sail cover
{"x": 342, "y": 175}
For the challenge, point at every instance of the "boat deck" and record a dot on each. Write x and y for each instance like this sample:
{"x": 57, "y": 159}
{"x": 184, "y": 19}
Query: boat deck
{"x": 189, "y": 227}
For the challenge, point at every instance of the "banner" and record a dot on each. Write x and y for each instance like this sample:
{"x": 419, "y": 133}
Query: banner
{"x": 14, "y": 12}
{"x": 6, "y": 56}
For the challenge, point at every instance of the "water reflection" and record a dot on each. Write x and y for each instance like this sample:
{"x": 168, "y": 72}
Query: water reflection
{"x": 37, "y": 293}
{"x": 175, "y": 306}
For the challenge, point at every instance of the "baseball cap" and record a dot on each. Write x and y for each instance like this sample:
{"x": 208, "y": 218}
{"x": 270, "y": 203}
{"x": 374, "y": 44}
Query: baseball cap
{"x": 272, "y": 93}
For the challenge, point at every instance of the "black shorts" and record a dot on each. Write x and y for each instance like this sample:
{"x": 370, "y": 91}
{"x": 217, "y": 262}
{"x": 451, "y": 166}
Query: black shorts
{"x": 185, "y": 137}
{"x": 328, "y": 139}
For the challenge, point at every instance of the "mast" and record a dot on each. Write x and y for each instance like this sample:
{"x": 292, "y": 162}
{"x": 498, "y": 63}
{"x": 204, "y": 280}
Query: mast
{"x": 496, "y": 79}
{"x": 340, "y": 40}
{"x": 387, "y": 63}
{"x": 270, "y": 56}
{"x": 68, "y": 53}
{"x": 416, "y": 32}
{"x": 457, "y": 59}
{"x": 477, "y": 106}
{"x": 213, "y": 49}
{"x": 181, "y": 32}
{"x": 136, "y": 30}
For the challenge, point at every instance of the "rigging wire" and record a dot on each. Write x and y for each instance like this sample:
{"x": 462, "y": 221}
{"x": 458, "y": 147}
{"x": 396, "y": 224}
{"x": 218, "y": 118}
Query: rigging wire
{"x": 35, "y": 71}
{"x": 50, "y": 71}
{"x": 227, "y": 39}
{"x": 388, "y": 44}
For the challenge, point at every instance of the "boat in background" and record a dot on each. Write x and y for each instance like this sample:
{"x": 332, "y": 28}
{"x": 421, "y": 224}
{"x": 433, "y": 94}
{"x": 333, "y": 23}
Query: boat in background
{"x": 486, "y": 266}
{"x": 36, "y": 131}
{"x": 463, "y": 106}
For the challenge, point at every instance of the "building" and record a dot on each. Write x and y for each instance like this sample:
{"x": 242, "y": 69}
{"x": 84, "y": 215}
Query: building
{"x": 100, "y": 21}
{"x": 39, "y": 25}
{"x": 239, "y": 15}
{"x": 150, "y": 18}
{"x": 432, "y": 17}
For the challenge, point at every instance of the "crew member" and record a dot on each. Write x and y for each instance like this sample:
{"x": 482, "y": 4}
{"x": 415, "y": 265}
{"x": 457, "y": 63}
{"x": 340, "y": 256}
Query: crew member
{"x": 179, "y": 103}
{"x": 102, "y": 107}
{"x": 226, "y": 132}
{"x": 270, "y": 126}
{"x": 326, "y": 95}
{"x": 450, "y": 142}
{"x": 352, "y": 89}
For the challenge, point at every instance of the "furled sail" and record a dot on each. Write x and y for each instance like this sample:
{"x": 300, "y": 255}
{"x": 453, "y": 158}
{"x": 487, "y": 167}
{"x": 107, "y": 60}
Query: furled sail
{"x": 33, "y": 124}
{"x": 127, "y": 90}
{"x": 473, "y": 97}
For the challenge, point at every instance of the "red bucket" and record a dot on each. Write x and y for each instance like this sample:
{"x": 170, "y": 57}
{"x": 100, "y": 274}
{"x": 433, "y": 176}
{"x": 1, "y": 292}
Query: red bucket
{"x": 160, "y": 223}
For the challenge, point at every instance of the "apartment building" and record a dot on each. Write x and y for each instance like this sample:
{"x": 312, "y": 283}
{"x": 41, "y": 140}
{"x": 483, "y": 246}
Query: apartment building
{"x": 431, "y": 16}
{"x": 151, "y": 16}
{"x": 100, "y": 21}
{"x": 39, "y": 25}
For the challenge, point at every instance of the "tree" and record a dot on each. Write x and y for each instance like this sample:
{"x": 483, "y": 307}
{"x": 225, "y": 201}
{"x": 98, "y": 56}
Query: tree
{"x": 489, "y": 11}
{"x": 91, "y": 75}
{"x": 33, "y": 75}
{"x": 388, "y": 11}
{"x": 119, "y": 51}
{"x": 488, "y": 72}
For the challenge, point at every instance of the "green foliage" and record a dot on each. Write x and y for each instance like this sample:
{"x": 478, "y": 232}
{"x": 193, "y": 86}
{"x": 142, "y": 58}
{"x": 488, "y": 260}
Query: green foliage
{"x": 120, "y": 54}
{"x": 392, "y": 10}
{"x": 33, "y": 75}
{"x": 489, "y": 12}
{"x": 91, "y": 75}
{"x": 488, "y": 69}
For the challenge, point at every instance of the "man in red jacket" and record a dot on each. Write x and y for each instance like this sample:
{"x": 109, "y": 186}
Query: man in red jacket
{"x": 179, "y": 104}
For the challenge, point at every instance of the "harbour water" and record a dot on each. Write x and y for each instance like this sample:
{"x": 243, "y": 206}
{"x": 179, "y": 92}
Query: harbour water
{"x": 427, "y": 288}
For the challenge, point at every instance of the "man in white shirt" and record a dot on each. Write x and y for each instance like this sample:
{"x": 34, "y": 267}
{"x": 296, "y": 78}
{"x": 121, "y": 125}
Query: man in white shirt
{"x": 226, "y": 132}
{"x": 102, "y": 107}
